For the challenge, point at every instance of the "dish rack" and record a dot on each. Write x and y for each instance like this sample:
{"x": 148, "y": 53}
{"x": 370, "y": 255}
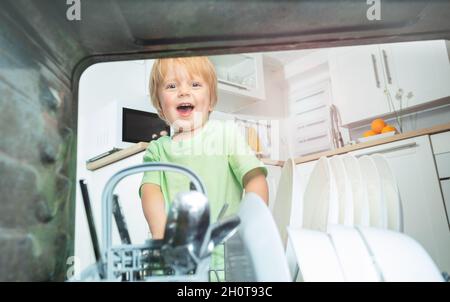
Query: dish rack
{"x": 143, "y": 262}
{"x": 146, "y": 263}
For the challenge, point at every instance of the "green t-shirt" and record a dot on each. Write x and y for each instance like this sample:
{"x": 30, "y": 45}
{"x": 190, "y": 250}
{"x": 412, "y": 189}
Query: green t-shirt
{"x": 219, "y": 155}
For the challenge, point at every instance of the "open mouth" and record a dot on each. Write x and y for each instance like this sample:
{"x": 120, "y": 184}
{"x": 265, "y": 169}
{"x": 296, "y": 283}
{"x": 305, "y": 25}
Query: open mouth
{"x": 185, "y": 109}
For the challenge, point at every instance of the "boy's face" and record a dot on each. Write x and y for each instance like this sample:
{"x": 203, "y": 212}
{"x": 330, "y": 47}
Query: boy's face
{"x": 185, "y": 99}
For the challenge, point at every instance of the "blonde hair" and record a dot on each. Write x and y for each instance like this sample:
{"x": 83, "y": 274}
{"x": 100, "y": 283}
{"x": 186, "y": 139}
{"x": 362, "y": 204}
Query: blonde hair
{"x": 199, "y": 66}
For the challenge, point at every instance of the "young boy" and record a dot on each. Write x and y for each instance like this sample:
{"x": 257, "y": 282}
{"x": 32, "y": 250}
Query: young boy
{"x": 184, "y": 92}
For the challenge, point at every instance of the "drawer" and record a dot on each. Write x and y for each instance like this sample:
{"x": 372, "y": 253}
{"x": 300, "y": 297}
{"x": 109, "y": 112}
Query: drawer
{"x": 440, "y": 142}
{"x": 312, "y": 144}
{"x": 445, "y": 185}
{"x": 443, "y": 164}
{"x": 311, "y": 103}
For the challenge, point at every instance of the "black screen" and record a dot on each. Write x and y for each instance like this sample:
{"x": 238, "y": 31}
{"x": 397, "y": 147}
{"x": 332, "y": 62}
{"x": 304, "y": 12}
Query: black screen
{"x": 141, "y": 126}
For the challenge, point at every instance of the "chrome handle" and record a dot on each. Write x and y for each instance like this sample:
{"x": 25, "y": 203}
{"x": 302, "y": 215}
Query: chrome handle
{"x": 386, "y": 65}
{"x": 396, "y": 148}
{"x": 375, "y": 70}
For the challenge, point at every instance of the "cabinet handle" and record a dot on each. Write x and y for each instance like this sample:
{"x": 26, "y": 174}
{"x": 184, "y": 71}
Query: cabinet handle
{"x": 386, "y": 65}
{"x": 375, "y": 70}
{"x": 396, "y": 148}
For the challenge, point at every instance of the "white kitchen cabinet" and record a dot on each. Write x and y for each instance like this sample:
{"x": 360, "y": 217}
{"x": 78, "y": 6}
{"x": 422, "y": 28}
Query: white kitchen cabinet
{"x": 358, "y": 83}
{"x": 127, "y": 190}
{"x": 420, "y": 69}
{"x": 441, "y": 149}
{"x": 240, "y": 80}
{"x": 424, "y": 211}
{"x": 414, "y": 73}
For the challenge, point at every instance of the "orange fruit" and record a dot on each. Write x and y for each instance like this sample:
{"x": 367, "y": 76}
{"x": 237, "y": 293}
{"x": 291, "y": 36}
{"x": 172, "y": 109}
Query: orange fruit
{"x": 369, "y": 133}
{"x": 378, "y": 125}
{"x": 388, "y": 128}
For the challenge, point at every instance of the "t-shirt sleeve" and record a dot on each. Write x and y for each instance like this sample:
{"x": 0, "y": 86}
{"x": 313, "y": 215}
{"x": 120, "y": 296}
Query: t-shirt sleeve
{"x": 151, "y": 155}
{"x": 241, "y": 157}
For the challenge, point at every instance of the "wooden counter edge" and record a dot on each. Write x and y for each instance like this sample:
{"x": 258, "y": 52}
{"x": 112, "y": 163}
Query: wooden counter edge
{"x": 397, "y": 137}
{"x": 299, "y": 160}
{"x": 107, "y": 160}
{"x": 139, "y": 147}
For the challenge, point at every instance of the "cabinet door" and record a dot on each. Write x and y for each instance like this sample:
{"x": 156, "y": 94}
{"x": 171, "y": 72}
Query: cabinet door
{"x": 240, "y": 80}
{"x": 358, "y": 83}
{"x": 310, "y": 119}
{"x": 445, "y": 185}
{"x": 421, "y": 69}
{"x": 424, "y": 212}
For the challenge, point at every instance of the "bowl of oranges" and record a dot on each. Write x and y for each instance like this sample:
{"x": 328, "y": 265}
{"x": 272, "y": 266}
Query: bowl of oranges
{"x": 378, "y": 129}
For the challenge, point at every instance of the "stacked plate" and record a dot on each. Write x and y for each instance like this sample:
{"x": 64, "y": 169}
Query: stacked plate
{"x": 352, "y": 224}
{"x": 285, "y": 199}
{"x": 358, "y": 254}
{"x": 391, "y": 194}
{"x": 361, "y": 214}
{"x": 346, "y": 190}
{"x": 320, "y": 200}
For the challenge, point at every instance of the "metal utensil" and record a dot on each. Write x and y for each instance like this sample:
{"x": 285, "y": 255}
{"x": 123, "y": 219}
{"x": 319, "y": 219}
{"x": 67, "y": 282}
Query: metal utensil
{"x": 186, "y": 227}
{"x": 218, "y": 233}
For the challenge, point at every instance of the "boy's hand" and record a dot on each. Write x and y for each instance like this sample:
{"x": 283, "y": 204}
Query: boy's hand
{"x": 255, "y": 181}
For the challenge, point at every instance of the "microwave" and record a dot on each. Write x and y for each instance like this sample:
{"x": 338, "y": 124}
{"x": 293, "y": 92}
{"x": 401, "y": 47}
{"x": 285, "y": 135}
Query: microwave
{"x": 121, "y": 125}
{"x": 142, "y": 126}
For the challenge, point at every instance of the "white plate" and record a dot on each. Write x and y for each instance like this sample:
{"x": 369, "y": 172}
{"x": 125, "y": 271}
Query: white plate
{"x": 316, "y": 257}
{"x": 359, "y": 193}
{"x": 262, "y": 240}
{"x": 399, "y": 258}
{"x": 375, "y": 137}
{"x": 390, "y": 194}
{"x": 344, "y": 190}
{"x": 372, "y": 183}
{"x": 320, "y": 200}
{"x": 282, "y": 206}
{"x": 354, "y": 258}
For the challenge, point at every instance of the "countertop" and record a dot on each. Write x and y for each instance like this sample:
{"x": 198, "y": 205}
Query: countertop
{"x": 139, "y": 147}
{"x": 397, "y": 137}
